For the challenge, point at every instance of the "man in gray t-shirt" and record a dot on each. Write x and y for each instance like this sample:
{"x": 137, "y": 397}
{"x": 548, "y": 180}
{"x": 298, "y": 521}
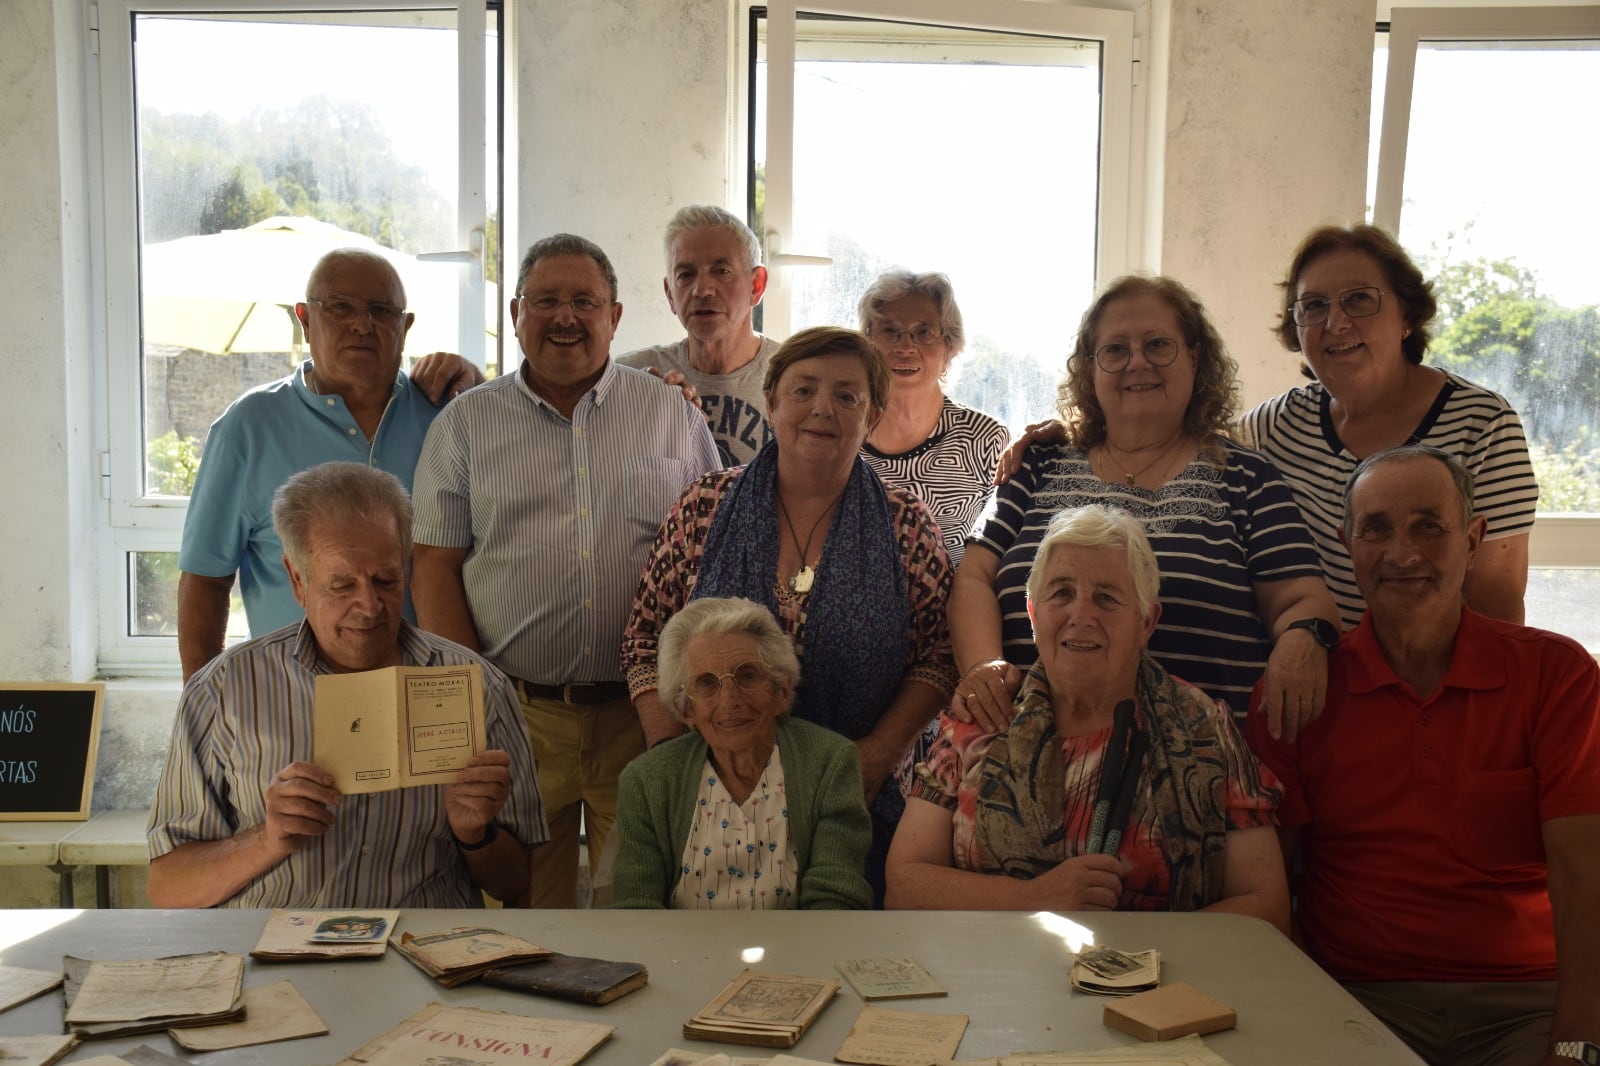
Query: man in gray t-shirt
{"x": 714, "y": 282}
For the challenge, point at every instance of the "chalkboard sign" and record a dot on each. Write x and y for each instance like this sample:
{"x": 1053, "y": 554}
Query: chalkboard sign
{"x": 49, "y": 736}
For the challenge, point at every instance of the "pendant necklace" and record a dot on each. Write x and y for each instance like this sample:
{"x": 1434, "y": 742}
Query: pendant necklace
{"x": 806, "y": 576}
{"x": 1133, "y": 478}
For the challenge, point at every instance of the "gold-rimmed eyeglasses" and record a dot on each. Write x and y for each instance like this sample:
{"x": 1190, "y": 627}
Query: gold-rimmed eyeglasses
{"x": 1361, "y": 302}
{"x": 748, "y": 676}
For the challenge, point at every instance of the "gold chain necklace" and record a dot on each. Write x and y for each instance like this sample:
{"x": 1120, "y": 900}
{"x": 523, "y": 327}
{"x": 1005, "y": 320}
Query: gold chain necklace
{"x": 1133, "y": 478}
{"x": 806, "y": 576}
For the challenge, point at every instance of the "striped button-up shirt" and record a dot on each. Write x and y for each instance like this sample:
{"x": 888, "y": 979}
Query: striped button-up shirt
{"x": 559, "y": 513}
{"x": 248, "y": 714}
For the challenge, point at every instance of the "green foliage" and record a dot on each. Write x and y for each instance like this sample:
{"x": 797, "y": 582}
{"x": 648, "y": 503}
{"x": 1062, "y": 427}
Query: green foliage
{"x": 171, "y": 463}
{"x": 320, "y": 158}
{"x": 1569, "y": 477}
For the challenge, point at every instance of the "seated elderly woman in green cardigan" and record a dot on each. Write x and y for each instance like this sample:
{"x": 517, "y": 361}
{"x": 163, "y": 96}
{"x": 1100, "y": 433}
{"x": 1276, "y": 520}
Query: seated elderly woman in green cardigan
{"x": 750, "y": 809}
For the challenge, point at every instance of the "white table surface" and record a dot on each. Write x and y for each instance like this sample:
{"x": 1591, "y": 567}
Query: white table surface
{"x": 1006, "y": 971}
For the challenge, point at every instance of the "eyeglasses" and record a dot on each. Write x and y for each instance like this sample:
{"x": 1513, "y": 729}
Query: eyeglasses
{"x": 581, "y": 304}
{"x": 922, "y": 336}
{"x": 1114, "y": 358}
{"x": 343, "y": 311}
{"x": 1362, "y": 302}
{"x": 748, "y": 676}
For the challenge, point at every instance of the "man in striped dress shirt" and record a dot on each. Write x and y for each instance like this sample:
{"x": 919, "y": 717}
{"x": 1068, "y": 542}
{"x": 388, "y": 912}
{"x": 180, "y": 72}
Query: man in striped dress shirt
{"x": 244, "y": 818}
{"x": 538, "y": 496}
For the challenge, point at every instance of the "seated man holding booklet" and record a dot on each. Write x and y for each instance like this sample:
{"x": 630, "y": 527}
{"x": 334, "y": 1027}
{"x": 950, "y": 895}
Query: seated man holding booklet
{"x": 244, "y": 818}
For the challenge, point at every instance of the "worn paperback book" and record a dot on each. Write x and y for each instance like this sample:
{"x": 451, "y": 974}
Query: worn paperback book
{"x": 398, "y": 727}
{"x": 571, "y": 977}
{"x": 763, "y": 1009}
{"x": 455, "y": 956}
{"x": 883, "y": 1037}
{"x": 888, "y": 978}
{"x": 304, "y": 936}
{"x": 123, "y": 997}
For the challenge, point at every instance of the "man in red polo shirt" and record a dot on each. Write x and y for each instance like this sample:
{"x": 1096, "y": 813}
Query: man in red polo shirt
{"x": 1446, "y": 805}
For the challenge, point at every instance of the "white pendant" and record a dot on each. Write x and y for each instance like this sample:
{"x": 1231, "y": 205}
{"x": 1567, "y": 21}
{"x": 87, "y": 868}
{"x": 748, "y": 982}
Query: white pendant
{"x": 803, "y": 580}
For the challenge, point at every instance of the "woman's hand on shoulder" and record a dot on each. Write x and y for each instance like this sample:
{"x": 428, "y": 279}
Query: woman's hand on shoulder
{"x": 1085, "y": 883}
{"x": 1050, "y": 431}
{"x": 1294, "y": 685}
{"x": 985, "y": 694}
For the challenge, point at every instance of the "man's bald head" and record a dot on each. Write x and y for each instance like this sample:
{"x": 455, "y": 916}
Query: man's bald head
{"x": 360, "y": 258}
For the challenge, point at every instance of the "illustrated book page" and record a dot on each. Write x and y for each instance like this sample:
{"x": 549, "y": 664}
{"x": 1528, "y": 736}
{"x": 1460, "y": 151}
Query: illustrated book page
{"x": 398, "y": 727}
{"x": 438, "y": 1033}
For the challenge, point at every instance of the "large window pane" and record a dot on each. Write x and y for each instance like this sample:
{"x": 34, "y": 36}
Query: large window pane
{"x": 1500, "y": 206}
{"x": 343, "y": 132}
{"x": 974, "y": 153}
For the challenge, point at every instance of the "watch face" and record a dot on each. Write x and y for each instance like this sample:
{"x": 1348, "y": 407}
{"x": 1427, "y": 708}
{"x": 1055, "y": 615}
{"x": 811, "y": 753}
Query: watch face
{"x": 1581, "y": 1050}
{"x": 1325, "y": 632}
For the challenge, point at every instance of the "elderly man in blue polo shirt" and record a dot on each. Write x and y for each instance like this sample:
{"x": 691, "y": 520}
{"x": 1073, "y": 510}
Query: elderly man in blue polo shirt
{"x": 349, "y": 401}
{"x": 537, "y": 498}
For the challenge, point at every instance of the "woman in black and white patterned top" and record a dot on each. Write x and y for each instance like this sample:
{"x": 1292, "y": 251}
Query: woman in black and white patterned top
{"x": 925, "y": 442}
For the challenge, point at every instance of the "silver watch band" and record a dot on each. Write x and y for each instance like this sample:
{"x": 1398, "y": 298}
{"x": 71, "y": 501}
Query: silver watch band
{"x": 1582, "y": 1050}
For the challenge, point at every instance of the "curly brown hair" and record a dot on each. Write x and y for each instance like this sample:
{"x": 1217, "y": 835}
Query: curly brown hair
{"x": 1216, "y": 387}
{"x": 1405, "y": 282}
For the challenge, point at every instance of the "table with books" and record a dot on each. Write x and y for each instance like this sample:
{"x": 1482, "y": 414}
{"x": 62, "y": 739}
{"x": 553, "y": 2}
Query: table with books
{"x": 1004, "y": 979}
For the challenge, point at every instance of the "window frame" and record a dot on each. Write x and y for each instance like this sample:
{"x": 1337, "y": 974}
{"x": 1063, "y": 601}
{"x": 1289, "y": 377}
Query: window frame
{"x": 131, "y": 520}
{"x": 1119, "y": 210}
{"x": 1561, "y": 541}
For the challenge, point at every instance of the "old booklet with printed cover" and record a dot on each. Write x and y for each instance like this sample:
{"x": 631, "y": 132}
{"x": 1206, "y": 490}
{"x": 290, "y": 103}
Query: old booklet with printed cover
{"x": 440, "y": 1034}
{"x": 456, "y": 956}
{"x": 398, "y": 727}
{"x": 763, "y": 1009}
{"x": 302, "y": 936}
{"x": 888, "y": 978}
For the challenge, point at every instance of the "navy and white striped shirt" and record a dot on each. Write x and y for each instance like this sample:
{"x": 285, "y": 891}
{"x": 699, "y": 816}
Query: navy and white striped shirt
{"x": 559, "y": 514}
{"x": 1216, "y": 531}
{"x": 1476, "y": 426}
{"x": 248, "y": 713}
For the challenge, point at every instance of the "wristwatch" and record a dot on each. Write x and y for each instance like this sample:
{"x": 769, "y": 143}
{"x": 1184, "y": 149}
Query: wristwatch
{"x": 1322, "y": 631}
{"x": 1582, "y": 1050}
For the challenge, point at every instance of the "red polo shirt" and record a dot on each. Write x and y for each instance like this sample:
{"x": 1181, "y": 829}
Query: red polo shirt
{"x": 1420, "y": 819}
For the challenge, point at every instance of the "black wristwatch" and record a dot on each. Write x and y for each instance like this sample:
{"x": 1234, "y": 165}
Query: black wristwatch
{"x": 1322, "y": 631}
{"x": 1582, "y": 1050}
{"x": 488, "y": 838}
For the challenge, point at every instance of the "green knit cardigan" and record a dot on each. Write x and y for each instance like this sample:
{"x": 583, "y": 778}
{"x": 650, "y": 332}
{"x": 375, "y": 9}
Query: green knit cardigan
{"x": 829, "y": 830}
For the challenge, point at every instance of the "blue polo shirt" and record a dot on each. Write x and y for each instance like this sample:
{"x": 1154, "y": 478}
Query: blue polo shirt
{"x": 264, "y": 437}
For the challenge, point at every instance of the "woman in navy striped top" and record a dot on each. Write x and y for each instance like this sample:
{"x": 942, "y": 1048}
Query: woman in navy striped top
{"x": 1358, "y": 308}
{"x": 1148, "y": 395}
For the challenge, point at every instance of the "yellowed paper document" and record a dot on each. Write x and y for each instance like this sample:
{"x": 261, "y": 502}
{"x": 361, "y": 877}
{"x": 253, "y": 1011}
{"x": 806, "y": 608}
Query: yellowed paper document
{"x": 271, "y": 1013}
{"x": 117, "y": 990}
{"x": 398, "y": 727}
{"x": 18, "y": 985}
{"x": 35, "y": 1050}
{"x": 437, "y": 1034}
{"x": 882, "y": 1037}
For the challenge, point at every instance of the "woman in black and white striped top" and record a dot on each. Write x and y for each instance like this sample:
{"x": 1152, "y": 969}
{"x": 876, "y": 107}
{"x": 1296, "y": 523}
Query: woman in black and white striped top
{"x": 1358, "y": 308}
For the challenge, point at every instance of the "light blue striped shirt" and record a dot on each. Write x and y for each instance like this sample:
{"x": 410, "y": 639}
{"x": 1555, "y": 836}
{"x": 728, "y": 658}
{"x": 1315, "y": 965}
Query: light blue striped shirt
{"x": 559, "y": 513}
{"x": 248, "y": 713}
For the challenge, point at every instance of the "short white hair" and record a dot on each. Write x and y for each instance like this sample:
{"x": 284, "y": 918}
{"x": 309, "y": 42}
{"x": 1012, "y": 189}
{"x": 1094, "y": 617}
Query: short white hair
{"x": 721, "y": 615}
{"x": 705, "y": 216}
{"x": 1099, "y": 526}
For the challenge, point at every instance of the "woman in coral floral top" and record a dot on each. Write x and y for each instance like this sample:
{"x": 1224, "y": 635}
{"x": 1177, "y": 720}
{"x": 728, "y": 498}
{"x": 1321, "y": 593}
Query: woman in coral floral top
{"x": 853, "y": 571}
{"x": 1115, "y": 786}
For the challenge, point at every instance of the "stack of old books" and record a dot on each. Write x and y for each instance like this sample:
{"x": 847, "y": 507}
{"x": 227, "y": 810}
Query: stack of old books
{"x": 763, "y": 1009}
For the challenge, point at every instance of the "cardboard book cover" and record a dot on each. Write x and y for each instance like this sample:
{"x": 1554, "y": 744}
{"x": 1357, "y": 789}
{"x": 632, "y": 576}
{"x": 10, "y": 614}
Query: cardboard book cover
{"x": 1178, "y": 1009}
{"x": 763, "y": 1009}
{"x": 572, "y": 977}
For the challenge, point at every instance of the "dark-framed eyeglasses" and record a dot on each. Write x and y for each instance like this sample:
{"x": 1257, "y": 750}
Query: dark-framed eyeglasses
{"x": 749, "y": 676}
{"x": 1114, "y": 358}
{"x": 921, "y": 336}
{"x": 1361, "y": 302}
{"x": 340, "y": 310}
{"x": 581, "y": 304}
